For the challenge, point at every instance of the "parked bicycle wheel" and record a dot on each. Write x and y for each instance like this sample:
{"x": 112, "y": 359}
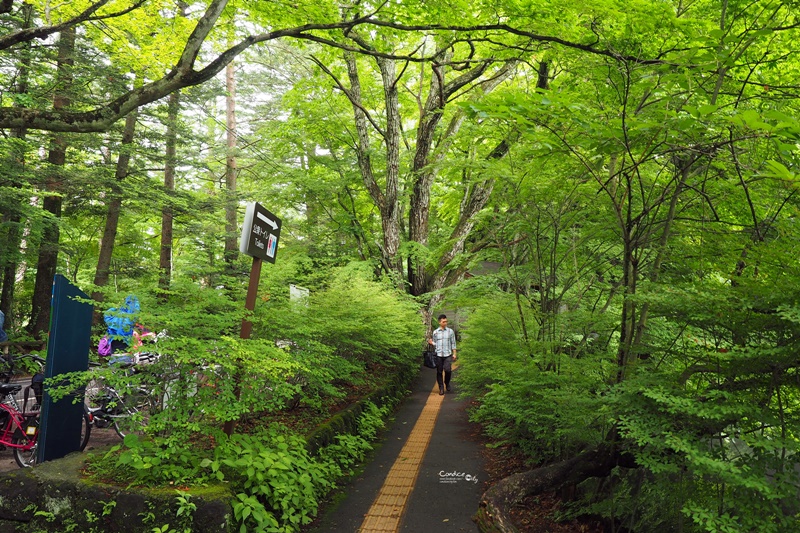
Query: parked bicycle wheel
{"x": 133, "y": 415}
{"x": 27, "y": 457}
{"x": 86, "y": 430}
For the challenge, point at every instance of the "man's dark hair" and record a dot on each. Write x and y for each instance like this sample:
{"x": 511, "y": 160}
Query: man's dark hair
{"x": 441, "y": 316}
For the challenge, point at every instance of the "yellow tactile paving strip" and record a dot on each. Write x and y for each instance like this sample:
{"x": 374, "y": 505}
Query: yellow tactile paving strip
{"x": 387, "y": 510}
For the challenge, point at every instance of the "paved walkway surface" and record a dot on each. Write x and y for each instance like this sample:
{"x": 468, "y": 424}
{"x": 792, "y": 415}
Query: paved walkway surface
{"x": 425, "y": 476}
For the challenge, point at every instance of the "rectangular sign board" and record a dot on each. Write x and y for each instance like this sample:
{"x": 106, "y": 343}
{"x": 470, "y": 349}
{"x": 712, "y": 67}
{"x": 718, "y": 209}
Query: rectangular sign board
{"x": 68, "y": 346}
{"x": 260, "y": 233}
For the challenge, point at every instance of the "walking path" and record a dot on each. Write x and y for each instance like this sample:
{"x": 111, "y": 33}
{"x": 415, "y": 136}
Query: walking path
{"x": 426, "y": 475}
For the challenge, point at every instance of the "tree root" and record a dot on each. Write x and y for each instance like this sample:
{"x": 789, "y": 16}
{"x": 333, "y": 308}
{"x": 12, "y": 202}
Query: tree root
{"x": 493, "y": 513}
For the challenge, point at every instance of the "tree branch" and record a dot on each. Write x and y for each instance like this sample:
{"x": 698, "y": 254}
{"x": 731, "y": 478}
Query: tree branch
{"x": 184, "y": 74}
{"x": 28, "y": 34}
{"x": 349, "y": 95}
{"x": 505, "y": 28}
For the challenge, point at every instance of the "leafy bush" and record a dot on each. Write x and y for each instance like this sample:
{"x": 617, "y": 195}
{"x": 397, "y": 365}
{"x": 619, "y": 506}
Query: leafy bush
{"x": 300, "y": 354}
{"x": 707, "y": 410}
{"x": 546, "y": 414}
{"x": 277, "y": 482}
{"x": 734, "y": 462}
{"x": 365, "y": 320}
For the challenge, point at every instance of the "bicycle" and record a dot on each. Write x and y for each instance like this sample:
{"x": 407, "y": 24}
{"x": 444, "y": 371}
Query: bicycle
{"x": 25, "y": 455}
{"x": 127, "y": 411}
{"x": 20, "y": 429}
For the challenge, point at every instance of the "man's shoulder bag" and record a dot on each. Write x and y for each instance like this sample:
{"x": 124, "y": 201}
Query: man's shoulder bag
{"x": 429, "y": 356}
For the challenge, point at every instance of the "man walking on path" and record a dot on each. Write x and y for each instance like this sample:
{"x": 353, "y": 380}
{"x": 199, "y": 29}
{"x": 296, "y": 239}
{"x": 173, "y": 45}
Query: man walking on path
{"x": 444, "y": 339}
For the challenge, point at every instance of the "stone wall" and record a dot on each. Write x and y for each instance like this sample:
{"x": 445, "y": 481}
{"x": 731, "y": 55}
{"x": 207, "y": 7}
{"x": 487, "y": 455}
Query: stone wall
{"x": 54, "y": 497}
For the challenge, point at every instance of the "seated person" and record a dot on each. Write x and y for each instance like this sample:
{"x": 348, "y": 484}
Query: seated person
{"x": 120, "y": 331}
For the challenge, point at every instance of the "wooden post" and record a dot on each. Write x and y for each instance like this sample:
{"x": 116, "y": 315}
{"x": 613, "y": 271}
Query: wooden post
{"x": 252, "y": 293}
{"x": 247, "y": 326}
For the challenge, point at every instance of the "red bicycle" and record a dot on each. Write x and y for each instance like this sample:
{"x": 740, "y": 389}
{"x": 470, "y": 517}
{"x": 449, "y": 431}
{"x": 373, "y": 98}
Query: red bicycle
{"x": 18, "y": 429}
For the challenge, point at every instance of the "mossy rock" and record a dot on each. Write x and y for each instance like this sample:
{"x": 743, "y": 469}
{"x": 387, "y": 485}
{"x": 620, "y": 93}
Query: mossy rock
{"x": 53, "y": 497}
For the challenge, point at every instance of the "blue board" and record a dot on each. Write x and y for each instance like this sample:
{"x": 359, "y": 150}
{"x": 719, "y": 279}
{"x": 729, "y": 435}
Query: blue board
{"x": 68, "y": 347}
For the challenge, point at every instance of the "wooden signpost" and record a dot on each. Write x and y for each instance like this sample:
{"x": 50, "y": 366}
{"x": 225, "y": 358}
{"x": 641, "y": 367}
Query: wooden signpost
{"x": 260, "y": 234}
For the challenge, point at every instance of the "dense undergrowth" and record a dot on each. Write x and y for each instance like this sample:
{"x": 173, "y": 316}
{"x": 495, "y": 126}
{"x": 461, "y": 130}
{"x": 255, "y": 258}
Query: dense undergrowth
{"x": 711, "y": 424}
{"x": 306, "y": 360}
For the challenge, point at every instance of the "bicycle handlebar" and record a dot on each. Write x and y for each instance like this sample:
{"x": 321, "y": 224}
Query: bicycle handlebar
{"x": 38, "y": 359}
{"x": 9, "y": 360}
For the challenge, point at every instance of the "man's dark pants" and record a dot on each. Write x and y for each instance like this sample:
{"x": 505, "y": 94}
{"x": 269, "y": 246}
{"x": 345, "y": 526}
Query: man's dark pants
{"x": 444, "y": 364}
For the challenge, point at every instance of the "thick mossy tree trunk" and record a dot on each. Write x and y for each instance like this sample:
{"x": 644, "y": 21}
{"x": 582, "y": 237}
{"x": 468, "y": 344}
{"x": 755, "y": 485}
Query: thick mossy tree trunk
{"x": 48, "y": 248}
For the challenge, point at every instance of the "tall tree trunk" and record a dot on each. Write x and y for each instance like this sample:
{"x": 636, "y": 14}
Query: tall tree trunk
{"x": 113, "y": 208}
{"x": 231, "y": 241}
{"x": 165, "y": 259}
{"x": 630, "y": 276}
{"x": 10, "y": 251}
{"x": 420, "y": 206}
{"x": 390, "y": 214}
{"x": 425, "y": 162}
{"x": 48, "y": 249}
{"x": 386, "y": 198}
{"x": 475, "y": 199}
{"x": 683, "y": 173}
{"x": 11, "y": 248}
